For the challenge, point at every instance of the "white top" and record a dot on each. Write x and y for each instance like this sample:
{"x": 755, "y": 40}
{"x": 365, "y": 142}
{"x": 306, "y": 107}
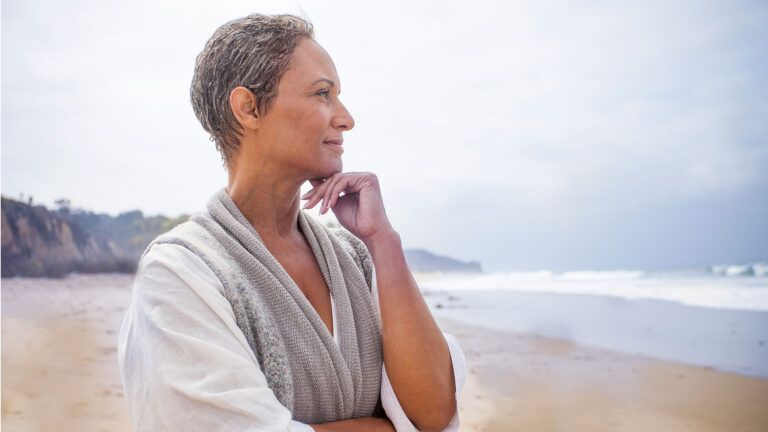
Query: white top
{"x": 186, "y": 365}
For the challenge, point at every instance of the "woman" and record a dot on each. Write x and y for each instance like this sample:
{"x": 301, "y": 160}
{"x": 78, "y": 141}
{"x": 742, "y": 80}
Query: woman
{"x": 254, "y": 316}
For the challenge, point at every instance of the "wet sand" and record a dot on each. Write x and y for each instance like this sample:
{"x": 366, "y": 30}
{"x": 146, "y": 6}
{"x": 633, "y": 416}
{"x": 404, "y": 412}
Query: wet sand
{"x": 527, "y": 383}
{"x": 59, "y": 373}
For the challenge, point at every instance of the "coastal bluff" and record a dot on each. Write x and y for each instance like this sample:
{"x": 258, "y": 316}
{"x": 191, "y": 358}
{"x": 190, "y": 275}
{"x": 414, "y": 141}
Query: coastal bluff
{"x": 421, "y": 260}
{"x": 38, "y": 242}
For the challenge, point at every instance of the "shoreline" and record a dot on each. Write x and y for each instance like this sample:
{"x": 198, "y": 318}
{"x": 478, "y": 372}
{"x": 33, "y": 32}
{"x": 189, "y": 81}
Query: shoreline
{"x": 526, "y": 382}
{"x": 728, "y": 340}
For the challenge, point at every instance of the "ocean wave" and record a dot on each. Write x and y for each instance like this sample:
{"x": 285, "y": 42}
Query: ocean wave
{"x": 759, "y": 269}
{"x": 602, "y": 275}
{"x": 695, "y": 289}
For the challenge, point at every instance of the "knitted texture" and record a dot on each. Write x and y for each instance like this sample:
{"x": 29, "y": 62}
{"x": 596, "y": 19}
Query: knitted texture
{"x": 317, "y": 379}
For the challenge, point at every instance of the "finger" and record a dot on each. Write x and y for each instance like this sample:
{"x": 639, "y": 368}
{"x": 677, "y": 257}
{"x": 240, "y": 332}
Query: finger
{"x": 316, "y": 185}
{"x": 332, "y": 190}
{"x": 339, "y": 188}
{"x": 311, "y": 202}
{"x": 308, "y": 194}
{"x": 322, "y": 186}
{"x": 336, "y": 178}
{"x": 316, "y": 195}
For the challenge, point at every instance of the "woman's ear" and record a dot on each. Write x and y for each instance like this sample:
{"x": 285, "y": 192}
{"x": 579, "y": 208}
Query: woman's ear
{"x": 243, "y": 104}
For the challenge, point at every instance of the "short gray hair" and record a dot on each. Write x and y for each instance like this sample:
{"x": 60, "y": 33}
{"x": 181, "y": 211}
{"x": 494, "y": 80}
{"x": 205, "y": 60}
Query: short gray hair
{"x": 254, "y": 52}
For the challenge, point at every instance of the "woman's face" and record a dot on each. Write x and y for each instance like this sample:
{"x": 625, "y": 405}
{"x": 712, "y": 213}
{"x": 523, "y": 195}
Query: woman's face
{"x": 302, "y": 130}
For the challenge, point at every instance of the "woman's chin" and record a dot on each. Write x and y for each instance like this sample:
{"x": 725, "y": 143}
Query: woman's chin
{"x": 332, "y": 168}
{"x": 338, "y": 164}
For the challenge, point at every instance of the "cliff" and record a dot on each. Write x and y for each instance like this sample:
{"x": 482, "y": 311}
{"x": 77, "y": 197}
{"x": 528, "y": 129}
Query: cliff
{"x": 38, "y": 242}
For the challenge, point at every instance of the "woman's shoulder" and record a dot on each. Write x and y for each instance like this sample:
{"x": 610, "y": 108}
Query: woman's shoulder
{"x": 187, "y": 250}
{"x": 176, "y": 260}
{"x": 186, "y": 232}
{"x": 191, "y": 239}
{"x": 168, "y": 254}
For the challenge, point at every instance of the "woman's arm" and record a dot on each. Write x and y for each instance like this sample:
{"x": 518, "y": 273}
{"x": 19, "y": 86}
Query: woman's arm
{"x": 416, "y": 354}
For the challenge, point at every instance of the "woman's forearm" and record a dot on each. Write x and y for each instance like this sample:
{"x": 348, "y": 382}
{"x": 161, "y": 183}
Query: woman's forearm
{"x": 373, "y": 424}
{"x": 416, "y": 355}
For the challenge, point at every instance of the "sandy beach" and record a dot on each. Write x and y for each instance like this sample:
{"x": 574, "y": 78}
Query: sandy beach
{"x": 520, "y": 382}
{"x": 59, "y": 372}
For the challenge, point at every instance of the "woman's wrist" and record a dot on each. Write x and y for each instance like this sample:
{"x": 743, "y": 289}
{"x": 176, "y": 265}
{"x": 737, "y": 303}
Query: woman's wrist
{"x": 386, "y": 236}
{"x": 372, "y": 424}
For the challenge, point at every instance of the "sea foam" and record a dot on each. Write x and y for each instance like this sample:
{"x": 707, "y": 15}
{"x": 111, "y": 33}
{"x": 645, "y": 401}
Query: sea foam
{"x": 722, "y": 290}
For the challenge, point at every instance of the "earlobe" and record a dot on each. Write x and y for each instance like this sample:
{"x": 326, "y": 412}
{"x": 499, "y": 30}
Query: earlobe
{"x": 243, "y": 104}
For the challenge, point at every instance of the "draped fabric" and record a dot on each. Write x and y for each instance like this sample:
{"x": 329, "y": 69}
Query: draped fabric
{"x": 315, "y": 378}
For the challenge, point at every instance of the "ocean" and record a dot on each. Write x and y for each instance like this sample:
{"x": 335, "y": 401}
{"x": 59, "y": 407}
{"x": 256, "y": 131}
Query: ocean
{"x": 715, "y": 318}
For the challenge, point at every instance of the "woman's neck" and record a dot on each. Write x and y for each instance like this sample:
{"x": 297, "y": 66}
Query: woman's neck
{"x": 268, "y": 201}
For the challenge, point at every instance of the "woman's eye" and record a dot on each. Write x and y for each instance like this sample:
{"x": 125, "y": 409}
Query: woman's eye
{"x": 324, "y": 93}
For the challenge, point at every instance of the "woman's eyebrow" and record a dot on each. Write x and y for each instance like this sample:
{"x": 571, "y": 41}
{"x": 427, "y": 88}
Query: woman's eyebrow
{"x": 330, "y": 83}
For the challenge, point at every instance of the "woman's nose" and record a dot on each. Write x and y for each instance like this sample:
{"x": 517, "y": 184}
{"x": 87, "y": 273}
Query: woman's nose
{"x": 343, "y": 119}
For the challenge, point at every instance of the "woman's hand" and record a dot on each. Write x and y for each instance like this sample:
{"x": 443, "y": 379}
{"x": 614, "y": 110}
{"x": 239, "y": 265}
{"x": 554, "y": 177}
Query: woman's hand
{"x": 369, "y": 424}
{"x": 360, "y": 209}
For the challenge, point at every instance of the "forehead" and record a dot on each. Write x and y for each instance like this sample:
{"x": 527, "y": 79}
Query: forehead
{"x": 309, "y": 63}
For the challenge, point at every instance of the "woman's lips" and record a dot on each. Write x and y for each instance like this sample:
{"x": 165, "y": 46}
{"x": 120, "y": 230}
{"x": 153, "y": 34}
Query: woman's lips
{"x": 335, "y": 145}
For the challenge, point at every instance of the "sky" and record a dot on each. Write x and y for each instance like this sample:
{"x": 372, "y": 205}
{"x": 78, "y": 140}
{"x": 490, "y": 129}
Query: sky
{"x": 540, "y": 135}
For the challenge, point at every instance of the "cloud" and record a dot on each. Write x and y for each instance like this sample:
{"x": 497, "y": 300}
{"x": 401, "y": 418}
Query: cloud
{"x": 490, "y": 124}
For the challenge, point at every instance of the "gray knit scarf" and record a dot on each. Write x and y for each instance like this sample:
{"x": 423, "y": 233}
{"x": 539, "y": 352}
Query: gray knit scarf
{"x": 316, "y": 379}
